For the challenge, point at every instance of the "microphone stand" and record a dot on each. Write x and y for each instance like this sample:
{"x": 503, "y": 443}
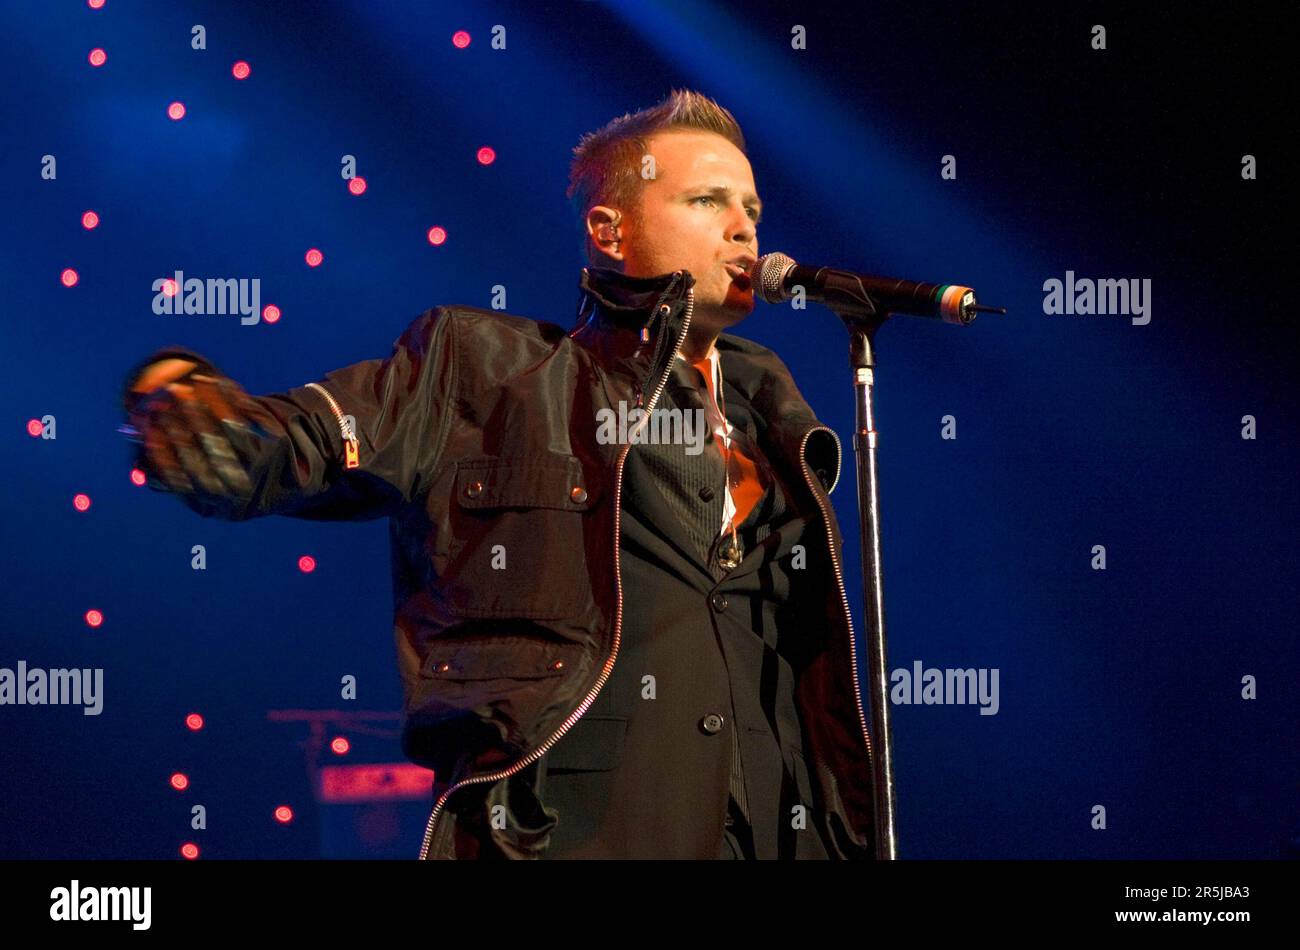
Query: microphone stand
{"x": 863, "y": 314}
{"x": 863, "y": 319}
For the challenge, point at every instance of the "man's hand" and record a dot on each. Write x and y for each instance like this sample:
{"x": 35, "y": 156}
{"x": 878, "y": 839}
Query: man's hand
{"x": 161, "y": 373}
{"x": 186, "y": 424}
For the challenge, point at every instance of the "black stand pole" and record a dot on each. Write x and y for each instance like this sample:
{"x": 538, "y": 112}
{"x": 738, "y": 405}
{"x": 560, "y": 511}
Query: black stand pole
{"x": 862, "y": 331}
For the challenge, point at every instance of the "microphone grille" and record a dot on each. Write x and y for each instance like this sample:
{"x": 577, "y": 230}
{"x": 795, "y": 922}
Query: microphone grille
{"x": 769, "y": 276}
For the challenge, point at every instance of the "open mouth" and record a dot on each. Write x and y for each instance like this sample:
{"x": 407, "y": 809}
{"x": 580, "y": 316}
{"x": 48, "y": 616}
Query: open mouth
{"x": 739, "y": 276}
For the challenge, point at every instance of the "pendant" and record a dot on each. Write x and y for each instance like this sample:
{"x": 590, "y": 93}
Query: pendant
{"x": 729, "y": 554}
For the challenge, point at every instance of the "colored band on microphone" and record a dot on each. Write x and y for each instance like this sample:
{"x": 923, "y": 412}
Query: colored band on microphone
{"x": 950, "y": 297}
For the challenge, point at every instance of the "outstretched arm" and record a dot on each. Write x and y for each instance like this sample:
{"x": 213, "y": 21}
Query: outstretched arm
{"x": 355, "y": 445}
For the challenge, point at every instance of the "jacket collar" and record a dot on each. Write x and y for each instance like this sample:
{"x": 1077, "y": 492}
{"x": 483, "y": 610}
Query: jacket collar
{"x": 622, "y": 318}
{"x": 622, "y": 301}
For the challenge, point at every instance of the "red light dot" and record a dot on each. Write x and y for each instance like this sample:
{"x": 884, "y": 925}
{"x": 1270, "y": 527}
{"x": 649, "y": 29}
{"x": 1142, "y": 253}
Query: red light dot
{"x": 460, "y": 39}
{"x": 97, "y": 57}
{"x": 176, "y": 111}
{"x": 194, "y": 722}
{"x": 169, "y": 288}
{"x": 270, "y": 313}
{"x": 486, "y": 155}
{"x": 306, "y": 564}
{"x": 81, "y": 502}
{"x": 34, "y": 427}
{"x": 437, "y": 235}
{"x": 284, "y": 814}
{"x": 95, "y": 4}
{"x": 314, "y": 257}
{"x": 180, "y": 781}
{"x": 138, "y": 477}
{"x": 189, "y": 850}
{"x": 357, "y": 185}
{"x": 94, "y": 618}
{"x": 69, "y": 277}
{"x": 240, "y": 70}
{"x": 89, "y": 220}
{"x": 340, "y": 746}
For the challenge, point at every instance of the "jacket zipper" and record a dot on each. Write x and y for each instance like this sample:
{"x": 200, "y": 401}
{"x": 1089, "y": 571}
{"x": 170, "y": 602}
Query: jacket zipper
{"x": 605, "y": 672}
{"x": 351, "y": 448}
{"x": 839, "y": 582}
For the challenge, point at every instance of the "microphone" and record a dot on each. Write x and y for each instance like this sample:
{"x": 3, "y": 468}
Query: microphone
{"x": 776, "y": 276}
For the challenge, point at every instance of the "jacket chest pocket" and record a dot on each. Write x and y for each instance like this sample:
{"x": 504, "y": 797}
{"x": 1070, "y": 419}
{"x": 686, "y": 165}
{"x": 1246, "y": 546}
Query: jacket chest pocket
{"x": 520, "y": 532}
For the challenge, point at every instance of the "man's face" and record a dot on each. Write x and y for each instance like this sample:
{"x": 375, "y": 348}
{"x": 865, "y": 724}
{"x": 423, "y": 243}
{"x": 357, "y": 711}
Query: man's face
{"x": 699, "y": 213}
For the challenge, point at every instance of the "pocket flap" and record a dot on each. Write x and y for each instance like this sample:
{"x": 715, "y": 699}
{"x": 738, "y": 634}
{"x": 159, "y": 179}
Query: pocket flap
{"x": 594, "y": 744}
{"x": 499, "y": 657}
{"x": 551, "y": 481}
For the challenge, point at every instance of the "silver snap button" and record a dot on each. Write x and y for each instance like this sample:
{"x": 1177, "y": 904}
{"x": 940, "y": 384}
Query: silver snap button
{"x": 578, "y": 494}
{"x": 474, "y": 489}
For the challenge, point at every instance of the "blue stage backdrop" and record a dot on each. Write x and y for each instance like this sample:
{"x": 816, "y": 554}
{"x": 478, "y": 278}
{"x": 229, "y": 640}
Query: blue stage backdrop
{"x": 1097, "y": 508}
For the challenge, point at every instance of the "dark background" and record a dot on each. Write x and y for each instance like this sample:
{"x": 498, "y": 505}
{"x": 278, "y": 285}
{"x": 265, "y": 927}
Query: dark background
{"x": 1119, "y": 687}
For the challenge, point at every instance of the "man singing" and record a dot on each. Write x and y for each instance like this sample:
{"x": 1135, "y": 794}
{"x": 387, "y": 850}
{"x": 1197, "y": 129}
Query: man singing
{"x": 609, "y": 647}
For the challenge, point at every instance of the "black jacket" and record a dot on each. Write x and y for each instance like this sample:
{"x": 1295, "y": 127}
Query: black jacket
{"x": 477, "y": 438}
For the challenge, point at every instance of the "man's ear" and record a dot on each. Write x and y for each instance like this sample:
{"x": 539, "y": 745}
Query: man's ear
{"x": 603, "y": 231}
